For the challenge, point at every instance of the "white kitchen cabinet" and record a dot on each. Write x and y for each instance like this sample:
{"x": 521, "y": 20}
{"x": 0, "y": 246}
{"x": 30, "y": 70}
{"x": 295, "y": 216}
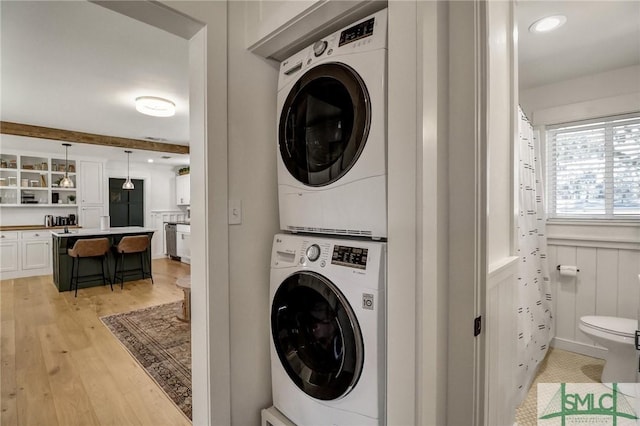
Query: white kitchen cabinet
{"x": 36, "y": 250}
{"x": 25, "y": 253}
{"x": 9, "y": 252}
{"x": 90, "y": 216}
{"x": 183, "y": 242}
{"x": 91, "y": 182}
{"x": 183, "y": 190}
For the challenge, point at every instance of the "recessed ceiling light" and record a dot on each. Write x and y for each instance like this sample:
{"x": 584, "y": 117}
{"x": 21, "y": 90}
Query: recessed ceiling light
{"x": 547, "y": 24}
{"x": 150, "y": 160}
{"x": 157, "y": 107}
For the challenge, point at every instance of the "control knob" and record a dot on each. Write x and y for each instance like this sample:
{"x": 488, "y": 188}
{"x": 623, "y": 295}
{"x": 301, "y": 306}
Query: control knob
{"x": 313, "y": 252}
{"x": 319, "y": 47}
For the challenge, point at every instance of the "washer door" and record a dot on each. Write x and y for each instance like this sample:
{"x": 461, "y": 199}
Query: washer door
{"x": 316, "y": 336}
{"x": 324, "y": 124}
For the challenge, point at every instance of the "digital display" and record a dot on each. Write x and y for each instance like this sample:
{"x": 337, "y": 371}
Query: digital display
{"x": 357, "y": 32}
{"x": 349, "y": 256}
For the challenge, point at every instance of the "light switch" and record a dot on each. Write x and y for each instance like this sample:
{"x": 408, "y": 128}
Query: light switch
{"x": 235, "y": 212}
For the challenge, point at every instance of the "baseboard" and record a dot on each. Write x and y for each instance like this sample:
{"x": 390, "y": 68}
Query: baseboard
{"x": 11, "y": 275}
{"x": 579, "y": 348}
{"x": 272, "y": 417}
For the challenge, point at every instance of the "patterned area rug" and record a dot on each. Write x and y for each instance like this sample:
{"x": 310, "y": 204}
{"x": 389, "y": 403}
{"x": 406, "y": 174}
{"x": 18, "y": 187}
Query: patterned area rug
{"x": 162, "y": 346}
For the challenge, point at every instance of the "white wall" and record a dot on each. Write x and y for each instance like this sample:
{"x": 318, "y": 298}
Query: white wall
{"x": 253, "y": 181}
{"x": 620, "y": 82}
{"x": 501, "y": 297}
{"x": 432, "y": 212}
{"x": 500, "y": 138}
{"x": 402, "y": 182}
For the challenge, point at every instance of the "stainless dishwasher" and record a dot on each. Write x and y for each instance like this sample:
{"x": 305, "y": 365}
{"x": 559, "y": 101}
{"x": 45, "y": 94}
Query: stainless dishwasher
{"x": 170, "y": 240}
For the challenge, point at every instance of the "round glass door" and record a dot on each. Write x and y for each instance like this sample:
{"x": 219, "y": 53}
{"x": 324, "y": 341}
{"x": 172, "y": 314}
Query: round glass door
{"x": 324, "y": 124}
{"x": 316, "y": 336}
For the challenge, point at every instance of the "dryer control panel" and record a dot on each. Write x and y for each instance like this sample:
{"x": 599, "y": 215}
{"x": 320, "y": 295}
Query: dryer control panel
{"x": 354, "y": 257}
{"x": 357, "y": 32}
{"x": 365, "y": 35}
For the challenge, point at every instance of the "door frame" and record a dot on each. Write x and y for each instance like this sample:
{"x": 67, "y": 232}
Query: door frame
{"x": 437, "y": 223}
{"x": 210, "y": 330}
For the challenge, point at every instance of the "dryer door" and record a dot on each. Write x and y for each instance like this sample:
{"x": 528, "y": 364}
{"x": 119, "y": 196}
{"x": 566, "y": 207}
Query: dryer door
{"x": 324, "y": 124}
{"x": 316, "y": 336}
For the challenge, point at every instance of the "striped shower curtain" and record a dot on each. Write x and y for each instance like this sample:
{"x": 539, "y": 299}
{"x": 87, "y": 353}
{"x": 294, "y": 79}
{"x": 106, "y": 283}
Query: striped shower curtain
{"x": 534, "y": 293}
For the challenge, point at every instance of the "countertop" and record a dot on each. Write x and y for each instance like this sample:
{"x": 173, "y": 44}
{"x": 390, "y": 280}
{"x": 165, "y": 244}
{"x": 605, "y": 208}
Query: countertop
{"x": 35, "y": 227}
{"x": 86, "y": 232}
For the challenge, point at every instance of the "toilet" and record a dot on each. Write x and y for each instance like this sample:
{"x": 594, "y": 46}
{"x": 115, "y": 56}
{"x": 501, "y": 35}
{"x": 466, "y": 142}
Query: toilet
{"x": 618, "y": 336}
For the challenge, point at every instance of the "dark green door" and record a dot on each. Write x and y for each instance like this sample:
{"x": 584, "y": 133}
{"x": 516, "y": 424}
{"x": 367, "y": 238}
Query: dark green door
{"x": 126, "y": 206}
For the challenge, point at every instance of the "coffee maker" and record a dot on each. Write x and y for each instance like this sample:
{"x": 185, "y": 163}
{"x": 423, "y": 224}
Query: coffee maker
{"x": 72, "y": 219}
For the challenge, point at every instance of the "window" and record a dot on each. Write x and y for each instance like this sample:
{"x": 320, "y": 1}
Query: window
{"x": 593, "y": 168}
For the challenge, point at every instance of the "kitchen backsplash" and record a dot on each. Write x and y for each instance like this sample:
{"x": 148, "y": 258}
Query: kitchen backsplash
{"x": 32, "y": 216}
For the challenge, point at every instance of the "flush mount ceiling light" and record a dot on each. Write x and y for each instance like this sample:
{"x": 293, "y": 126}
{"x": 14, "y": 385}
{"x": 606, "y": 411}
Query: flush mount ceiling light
{"x": 127, "y": 183}
{"x": 65, "y": 182}
{"x": 547, "y": 24}
{"x": 157, "y": 107}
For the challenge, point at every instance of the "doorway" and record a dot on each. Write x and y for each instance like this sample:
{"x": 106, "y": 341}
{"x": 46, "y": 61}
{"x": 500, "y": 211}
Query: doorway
{"x": 126, "y": 206}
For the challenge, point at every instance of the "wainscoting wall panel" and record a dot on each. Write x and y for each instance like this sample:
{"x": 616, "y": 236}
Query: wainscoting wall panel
{"x": 607, "y": 284}
{"x": 501, "y": 342}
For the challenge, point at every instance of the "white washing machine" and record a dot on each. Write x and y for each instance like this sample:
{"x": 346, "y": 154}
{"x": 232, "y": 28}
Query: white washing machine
{"x": 332, "y": 133}
{"x": 327, "y": 330}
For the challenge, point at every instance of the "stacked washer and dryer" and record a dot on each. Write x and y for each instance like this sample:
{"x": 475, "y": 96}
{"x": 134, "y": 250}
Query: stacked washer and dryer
{"x": 328, "y": 267}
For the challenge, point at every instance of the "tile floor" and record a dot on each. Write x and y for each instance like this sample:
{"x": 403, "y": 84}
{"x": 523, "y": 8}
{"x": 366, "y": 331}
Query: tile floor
{"x": 558, "y": 367}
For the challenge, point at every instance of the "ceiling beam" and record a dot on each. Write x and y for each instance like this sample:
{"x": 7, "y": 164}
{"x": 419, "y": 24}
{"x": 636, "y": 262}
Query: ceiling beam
{"x": 30, "y": 131}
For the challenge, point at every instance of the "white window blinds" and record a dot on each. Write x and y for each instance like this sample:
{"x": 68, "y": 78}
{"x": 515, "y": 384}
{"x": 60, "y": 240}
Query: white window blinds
{"x": 593, "y": 168}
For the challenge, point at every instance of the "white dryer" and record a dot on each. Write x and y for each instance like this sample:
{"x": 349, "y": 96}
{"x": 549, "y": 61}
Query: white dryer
{"x": 327, "y": 330}
{"x": 332, "y": 133}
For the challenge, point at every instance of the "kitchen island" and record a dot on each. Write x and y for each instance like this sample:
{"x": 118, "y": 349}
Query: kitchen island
{"x": 63, "y": 241}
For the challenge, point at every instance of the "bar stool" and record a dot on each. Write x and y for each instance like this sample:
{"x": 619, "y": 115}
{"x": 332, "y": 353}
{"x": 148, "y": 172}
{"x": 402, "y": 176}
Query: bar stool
{"x": 132, "y": 245}
{"x": 89, "y": 248}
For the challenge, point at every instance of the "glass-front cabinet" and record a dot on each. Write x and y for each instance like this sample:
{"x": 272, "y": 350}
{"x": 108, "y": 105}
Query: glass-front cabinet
{"x": 8, "y": 179}
{"x": 31, "y": 180}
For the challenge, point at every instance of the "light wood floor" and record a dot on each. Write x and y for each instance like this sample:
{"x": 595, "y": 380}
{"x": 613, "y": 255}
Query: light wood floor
{"x": 60, "y": 364}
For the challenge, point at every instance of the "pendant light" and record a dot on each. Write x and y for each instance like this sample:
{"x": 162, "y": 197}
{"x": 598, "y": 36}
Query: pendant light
{"x": 128, "y": 184}
{"x": 66, "y": 182}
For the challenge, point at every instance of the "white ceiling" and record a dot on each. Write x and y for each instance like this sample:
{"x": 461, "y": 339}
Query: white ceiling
{"x": 78, "y": 66}
{"x": 75, "y": 65}
{"x": 598, "y": 36}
